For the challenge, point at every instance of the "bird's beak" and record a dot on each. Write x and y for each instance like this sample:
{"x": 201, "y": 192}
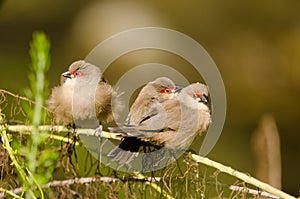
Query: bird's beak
{"x": 203, "y": 99}
{"x": 177, "y": 89}
{"x": 67, "y": 74}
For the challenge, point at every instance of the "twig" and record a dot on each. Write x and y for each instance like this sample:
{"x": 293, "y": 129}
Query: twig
{"x": 10, "y": 151}
{"x": 154, "y": 186}
{"x": 85, "y": 180}
{"x": 26, "y": 130}
{"x": 59, "y": 129}
{"x": 64, "y": 139}
{"x": 242, "y": 176}
{"x": 253, "y": 192}
{"x": 104, "y": 134}
{"x": 273, "y": 192}
{"x": 23, "y": 98}
{"x": 9, "y": 193}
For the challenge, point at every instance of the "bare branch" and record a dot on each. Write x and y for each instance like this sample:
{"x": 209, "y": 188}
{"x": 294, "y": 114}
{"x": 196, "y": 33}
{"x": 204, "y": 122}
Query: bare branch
{"x": 85, "y": 180}
{"x": 22, "y": 98}
{"x": 246, "y": 178}
{"x": 253, "y": 192}
{"x": 89, "y": 132}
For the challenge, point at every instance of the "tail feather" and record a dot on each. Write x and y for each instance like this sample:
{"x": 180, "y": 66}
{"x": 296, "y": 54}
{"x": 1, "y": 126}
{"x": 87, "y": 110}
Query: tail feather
{"x": 126, "y": 152}
{"x": 122, "y": 157}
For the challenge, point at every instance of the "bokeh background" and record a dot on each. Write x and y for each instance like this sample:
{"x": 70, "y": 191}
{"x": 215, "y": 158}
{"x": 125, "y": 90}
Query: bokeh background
{"x": 255, "y": 44}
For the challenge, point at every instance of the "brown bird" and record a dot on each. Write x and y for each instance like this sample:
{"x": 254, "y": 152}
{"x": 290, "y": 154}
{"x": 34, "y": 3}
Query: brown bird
{"x": 146, "y": 104}
{"x": 172, "y": 124}
{"x": 82, "y": 95}
{"x": 186, "y": 116}
{"x": 155, "y": 92}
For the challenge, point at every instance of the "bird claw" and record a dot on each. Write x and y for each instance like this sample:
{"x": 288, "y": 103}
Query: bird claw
{"x": 98, "y": 131}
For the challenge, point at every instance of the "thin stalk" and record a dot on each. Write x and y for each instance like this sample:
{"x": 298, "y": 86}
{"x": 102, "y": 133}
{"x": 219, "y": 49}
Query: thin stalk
{"x": 10, "y": 193}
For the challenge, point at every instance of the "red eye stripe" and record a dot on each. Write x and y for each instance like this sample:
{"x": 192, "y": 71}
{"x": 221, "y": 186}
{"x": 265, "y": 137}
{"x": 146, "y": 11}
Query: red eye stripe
{"x": 195, "y": 95}
{"x": 76, "y": 73}
{"x": 73, "y": 72}
{"x": 168, "y": 90}
{"x": 198, "y": 95}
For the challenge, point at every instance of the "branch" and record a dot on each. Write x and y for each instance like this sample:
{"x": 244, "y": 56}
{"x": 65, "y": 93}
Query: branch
{"x": 5, "y": 140}
{"x": 59, "y": 129}
{"x": 91, "y": 132}
{"x": 154, "y": 186}
{"x": 9, "y": 193}
{"x": 85, "y": 180}
{"x": 253, "y": 192}
{"x": 246, "y": 178}
{"x": 23, "y": 98}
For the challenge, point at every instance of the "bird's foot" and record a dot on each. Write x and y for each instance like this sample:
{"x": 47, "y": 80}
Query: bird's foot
{"x": 98, "y": 131}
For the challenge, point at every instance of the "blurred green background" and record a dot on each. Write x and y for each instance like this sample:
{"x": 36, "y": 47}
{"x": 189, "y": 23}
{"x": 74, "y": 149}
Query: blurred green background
{"x": 255, "y": 44}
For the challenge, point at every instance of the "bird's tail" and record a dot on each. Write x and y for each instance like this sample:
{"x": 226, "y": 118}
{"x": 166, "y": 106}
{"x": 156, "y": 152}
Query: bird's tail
{"x": 126, "y": 152}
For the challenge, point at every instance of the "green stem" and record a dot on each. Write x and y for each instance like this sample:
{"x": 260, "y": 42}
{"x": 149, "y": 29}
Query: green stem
{"x": 10, "y": 193}
{"x": 10, "y": 151}
{"x": 37, "y": 184}
{"x": 39, "y": 51}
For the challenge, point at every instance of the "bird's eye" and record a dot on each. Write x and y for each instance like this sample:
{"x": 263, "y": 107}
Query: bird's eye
{"x": 166, "y": 90}
{"x": 75, "y": 73}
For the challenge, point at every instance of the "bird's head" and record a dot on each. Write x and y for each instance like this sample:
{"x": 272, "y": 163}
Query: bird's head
{"x": 165, "y": 88}
{"x": 196, "y": 95}
{"x": 199, "y": 92}
{"x": 81, "y": 69}
{"x": 200, "y": 97}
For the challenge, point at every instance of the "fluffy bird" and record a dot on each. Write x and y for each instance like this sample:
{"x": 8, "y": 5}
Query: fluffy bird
{"x": 146, "y": 104}
{"x": 172, "y": 123}
{"x": 82, "y": 95}
{"x": 154, "y": 93}
{"x": 186, "y": 116}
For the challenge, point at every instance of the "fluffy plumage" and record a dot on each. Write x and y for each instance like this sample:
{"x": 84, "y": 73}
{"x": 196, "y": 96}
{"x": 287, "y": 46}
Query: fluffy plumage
{"x": 146, "y": 104}
{"x": 175, "y": 122}
{"x": 92, "y": 98}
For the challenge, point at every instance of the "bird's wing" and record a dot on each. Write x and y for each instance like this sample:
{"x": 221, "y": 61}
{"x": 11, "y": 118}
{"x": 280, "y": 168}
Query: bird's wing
{"x": 161, "y": 118}
{"x": 155, "y": 118}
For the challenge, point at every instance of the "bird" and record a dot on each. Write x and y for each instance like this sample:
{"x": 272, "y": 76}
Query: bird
{"x": 82, "y": 95}
{"x": 187, "y": 116}
{"x": 157, "y": 91}
{"x": 172, "y": 124}
{"x": 146, "y": 103}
